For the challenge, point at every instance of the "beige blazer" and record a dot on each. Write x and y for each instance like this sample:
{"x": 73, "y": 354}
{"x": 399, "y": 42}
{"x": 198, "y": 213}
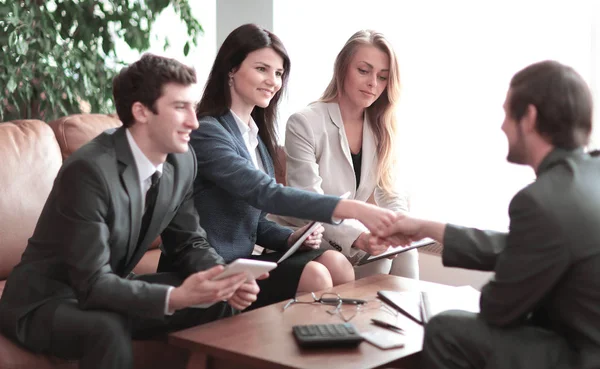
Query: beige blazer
{"x": 318, "y": 159}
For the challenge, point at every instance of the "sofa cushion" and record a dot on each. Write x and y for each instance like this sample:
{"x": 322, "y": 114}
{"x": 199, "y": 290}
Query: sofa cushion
{"x": 74, "y": 131}
{"x": 147, "y": 355}
{"x": 30, "y": 161}
{"x": 14, "y": 356}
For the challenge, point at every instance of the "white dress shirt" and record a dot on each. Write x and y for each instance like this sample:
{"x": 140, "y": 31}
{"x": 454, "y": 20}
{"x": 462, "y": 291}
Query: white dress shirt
{"x": 249, "y": 133}
{"x": 145, "y": 170}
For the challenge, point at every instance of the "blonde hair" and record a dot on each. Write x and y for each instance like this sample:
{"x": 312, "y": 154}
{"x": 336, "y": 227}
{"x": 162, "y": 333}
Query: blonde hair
{"x": 382, "y": 113}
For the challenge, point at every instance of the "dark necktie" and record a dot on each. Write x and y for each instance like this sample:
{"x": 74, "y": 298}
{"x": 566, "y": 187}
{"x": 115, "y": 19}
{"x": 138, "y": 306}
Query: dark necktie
{"x": 151, "y": 196}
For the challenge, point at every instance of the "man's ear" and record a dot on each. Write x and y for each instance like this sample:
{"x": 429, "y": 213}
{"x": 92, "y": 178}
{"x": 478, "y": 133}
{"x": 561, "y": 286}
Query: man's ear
{"x": 140, "y": 112}
{"x": 528, "y": 122}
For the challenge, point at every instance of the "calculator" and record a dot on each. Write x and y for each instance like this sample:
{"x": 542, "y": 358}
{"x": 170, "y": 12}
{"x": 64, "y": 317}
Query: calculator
{"x": 327, "y": 335}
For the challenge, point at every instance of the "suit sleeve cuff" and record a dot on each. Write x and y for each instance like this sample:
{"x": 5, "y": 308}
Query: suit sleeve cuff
{"x": 167, "y": 312}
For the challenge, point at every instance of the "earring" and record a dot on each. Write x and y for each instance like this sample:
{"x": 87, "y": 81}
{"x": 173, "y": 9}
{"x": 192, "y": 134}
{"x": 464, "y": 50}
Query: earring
{"x": 230, "y": 83}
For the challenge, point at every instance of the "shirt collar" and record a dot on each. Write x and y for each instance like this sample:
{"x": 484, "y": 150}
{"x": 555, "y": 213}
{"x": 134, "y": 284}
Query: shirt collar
{"x": 250, "y": 128}
{"x": 144, "y": 166}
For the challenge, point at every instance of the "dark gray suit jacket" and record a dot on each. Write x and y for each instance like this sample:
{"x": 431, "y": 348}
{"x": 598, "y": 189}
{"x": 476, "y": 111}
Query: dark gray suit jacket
{"x": 547, "y": 267}
{"x": 85, "y": 242}
{"x": 233, "y": 197}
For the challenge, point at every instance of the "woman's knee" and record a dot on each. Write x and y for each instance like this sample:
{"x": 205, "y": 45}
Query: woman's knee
{"x": 338, "y": 265}
{"x": 315, "y": 277}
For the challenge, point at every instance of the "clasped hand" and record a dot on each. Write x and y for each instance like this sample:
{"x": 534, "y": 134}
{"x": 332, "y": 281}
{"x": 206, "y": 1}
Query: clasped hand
{"x": 404, "y": 230}
{"x": 400, "y": 231}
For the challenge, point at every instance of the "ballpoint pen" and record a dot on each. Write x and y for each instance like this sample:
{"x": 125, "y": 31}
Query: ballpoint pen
{"x": 391, "y": 327}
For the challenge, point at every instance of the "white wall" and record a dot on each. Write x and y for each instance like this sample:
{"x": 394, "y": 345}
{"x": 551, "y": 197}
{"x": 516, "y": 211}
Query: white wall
{"x": 233, "y": 13}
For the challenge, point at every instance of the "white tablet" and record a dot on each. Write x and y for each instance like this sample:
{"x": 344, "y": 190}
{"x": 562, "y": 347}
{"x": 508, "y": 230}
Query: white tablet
{"x": 252, "y": 268}
{"x": 298, "y": 243}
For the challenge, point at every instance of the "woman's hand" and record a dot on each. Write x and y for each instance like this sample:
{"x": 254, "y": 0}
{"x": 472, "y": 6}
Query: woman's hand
{"x": 312, "y": 242}
{"x": 376, "y": 219}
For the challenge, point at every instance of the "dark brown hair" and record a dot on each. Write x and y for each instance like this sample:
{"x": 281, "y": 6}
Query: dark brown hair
{"x": 562, "y": 98}
{"x": 143, "y": 81}
{"x": 216, "y": 99}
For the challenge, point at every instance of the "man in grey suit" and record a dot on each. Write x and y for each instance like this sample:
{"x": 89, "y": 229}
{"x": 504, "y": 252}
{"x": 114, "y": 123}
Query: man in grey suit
{"x": 72, "y": 294}
{"x": 542, "y": 307}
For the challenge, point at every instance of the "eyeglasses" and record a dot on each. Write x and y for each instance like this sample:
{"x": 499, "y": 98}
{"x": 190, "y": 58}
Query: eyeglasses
{"x": 334, "y": 299}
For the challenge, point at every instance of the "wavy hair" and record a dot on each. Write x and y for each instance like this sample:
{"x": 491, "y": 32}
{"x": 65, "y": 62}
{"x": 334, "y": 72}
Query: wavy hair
{"x": 382, "y": 113}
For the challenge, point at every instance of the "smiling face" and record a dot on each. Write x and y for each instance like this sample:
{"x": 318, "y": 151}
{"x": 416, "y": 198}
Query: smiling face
{"x": 366, "y": 77}
{"x": 257, "y": 80}
{"x": 169, "y": 129}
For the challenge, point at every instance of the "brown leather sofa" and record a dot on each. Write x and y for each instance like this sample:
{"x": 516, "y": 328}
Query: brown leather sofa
{"x": 31, "y": 153}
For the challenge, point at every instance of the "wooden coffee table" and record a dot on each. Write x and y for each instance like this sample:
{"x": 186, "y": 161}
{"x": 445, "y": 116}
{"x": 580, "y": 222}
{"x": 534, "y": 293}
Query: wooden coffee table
{"x": 263, "y": 338}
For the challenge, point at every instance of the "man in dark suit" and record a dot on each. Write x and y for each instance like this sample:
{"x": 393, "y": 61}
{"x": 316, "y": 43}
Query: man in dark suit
{"x": 542, "y": 307}
{"x": 72, "y": 294}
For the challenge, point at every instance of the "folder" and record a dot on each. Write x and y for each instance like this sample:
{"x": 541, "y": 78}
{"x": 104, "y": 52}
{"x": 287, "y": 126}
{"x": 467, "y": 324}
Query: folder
{"x": 421, "y": 306}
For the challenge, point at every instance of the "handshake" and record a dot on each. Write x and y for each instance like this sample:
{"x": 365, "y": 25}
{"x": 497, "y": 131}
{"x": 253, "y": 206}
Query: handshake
{"x": 388, "y": 228}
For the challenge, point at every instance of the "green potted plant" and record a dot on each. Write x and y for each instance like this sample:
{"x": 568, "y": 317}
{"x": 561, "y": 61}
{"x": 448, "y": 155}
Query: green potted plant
{"x": 59, "y": 55}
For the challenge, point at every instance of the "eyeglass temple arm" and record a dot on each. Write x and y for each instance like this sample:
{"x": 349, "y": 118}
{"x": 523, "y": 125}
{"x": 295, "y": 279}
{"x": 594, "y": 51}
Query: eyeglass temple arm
{"x": 335, "y": 300}
{"x": 289, "y": 303}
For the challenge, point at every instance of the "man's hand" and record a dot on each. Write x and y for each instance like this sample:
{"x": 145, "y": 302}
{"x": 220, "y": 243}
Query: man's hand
{"x": 244, "y": 296}
{"x": 198, "y": 289}
{"x": 313, "y": 241}
{"x": 407, "y": 229}
{"x": 376, "y": 219}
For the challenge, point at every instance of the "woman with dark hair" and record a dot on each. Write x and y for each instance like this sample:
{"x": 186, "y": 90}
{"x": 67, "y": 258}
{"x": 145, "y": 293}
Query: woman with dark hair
{"x": 235, "y": 188}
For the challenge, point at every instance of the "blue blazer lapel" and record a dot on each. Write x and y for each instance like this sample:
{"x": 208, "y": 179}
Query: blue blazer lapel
{"x": 228, "y": 121}
{"x": 266, "y": 158}
{"x": 130, "y": 179}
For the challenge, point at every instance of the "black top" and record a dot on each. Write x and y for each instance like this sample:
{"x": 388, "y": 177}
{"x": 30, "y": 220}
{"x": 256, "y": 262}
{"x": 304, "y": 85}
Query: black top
{"x": 356, "y": 162}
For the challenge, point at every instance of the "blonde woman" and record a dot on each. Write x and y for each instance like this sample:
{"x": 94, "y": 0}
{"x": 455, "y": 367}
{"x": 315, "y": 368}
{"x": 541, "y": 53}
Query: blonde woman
{"x": 345, "y": 142}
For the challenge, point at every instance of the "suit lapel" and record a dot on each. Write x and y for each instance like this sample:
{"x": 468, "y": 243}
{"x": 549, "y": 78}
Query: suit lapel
{"x": 228, "y": 121}
{"x": 368, "y": 163}
{"x": 264, "y": 156}
{"x": 336, "y": 118}
{"x": 130, "y": 180}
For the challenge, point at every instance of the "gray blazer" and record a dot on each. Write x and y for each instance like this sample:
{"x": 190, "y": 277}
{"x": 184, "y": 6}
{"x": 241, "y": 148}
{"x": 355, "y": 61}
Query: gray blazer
{"x": 547, "y": 267}
{"x": 86, "y": 240}
{"x": 233, "y": 197}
